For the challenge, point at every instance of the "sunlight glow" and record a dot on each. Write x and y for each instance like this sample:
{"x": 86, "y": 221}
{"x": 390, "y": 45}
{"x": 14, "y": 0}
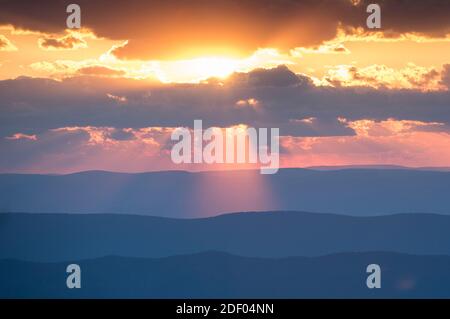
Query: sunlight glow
{"x": 203, "y": 68}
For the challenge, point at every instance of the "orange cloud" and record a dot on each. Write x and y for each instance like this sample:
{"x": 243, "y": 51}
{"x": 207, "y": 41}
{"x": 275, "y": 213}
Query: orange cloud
{"x": 398, "y": 142}
{"x": 79, "y": 148}
{"x": 68, "y": 42}
{"x": 100, "y": 71}
{"x": 389, "y": 127}
{"x": 51, "y": 68}
{"x": 60, "y": 69}
{"x": 178, "y": 29}
{"x": 6, "y": 44}
{"x": 328, "y": 48}
{"x": 380, "y": 76}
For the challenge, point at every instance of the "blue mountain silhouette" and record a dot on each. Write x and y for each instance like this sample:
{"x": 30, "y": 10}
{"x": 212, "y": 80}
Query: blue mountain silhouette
{"x": 61, "y": 237}
{"x": 218, "y": 275}
{"x": 359, "y": 192}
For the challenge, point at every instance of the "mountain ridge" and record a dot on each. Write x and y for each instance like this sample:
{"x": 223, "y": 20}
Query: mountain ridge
{"x": 218, "y": 275}
{"x": 55, "y": 237}
{"x": 359, "y": 192}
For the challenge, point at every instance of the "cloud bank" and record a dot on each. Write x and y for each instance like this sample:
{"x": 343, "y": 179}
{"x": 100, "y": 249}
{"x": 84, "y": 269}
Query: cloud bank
{"x": 166, "y": 29}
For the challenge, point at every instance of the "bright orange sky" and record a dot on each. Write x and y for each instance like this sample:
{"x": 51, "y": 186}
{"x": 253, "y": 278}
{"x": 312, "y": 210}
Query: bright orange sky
{"x": 27, "y": 57}
{"x": 108, "y": 95}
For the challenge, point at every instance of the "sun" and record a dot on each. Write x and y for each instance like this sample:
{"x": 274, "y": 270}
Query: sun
{"x": 215, "y": 67}
{"x": 198, "y": 69}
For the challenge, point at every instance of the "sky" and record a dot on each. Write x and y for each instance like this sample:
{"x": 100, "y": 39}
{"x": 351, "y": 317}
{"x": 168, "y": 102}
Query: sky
{"x": 108, "y": 95}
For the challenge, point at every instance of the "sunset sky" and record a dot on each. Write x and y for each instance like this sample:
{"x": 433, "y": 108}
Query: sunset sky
{"x": 108, "y": 96}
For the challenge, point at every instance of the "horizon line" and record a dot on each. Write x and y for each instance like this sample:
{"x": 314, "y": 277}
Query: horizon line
{"x": 314, "y": 168}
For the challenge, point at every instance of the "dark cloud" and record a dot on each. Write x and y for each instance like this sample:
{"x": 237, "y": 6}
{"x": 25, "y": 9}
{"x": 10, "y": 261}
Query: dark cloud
{"x": 122, "y": 135}
{"x": 173, "y": 28}
{"x": 64, "y": 43}
{"x": 446, "y": 76}
{"x": 425, "y": 17}
{"x": 340, "y": 49}
{"x": 31, "y": 106}
{"x": 277, "y": 77}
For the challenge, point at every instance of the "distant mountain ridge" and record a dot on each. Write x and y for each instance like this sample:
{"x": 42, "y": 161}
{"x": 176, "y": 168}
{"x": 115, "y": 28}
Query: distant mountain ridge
{"x": 218, "y": 275}
{"x": 345, "y": 167}
{"x": 360, "y": 192}
{"x": 65, "y": 237}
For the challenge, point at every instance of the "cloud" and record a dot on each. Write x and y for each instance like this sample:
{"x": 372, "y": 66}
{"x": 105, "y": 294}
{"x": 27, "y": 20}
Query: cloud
{"x": 250, "y": 102}
{"x": 97, "y": 135}
{"x": 445, "y": 76}
{"x": 173, "y": 28}
{"x": 329, "y": 48}
{"x": 68, "y": 42}
{"x": 261, "y": 98}
{"x": 100, "y": 70}
{"x": 280, "y": 76}
{"x": 309, "y": 120}
{"x": 51, "y": 68}
{"x": 6, "y": 44}
{"x": 391, "y": 142}
{"x": 118, "y": 99}
{"x": 389, "y": 127}
{"x": 21, "y": 136}
{"x": 71, "y": 149}
{"x": 79, "y": 123}
{"x": 380, "y": 76}
{"x": 65, "y": 69}
{"x": 77, "y": 148}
